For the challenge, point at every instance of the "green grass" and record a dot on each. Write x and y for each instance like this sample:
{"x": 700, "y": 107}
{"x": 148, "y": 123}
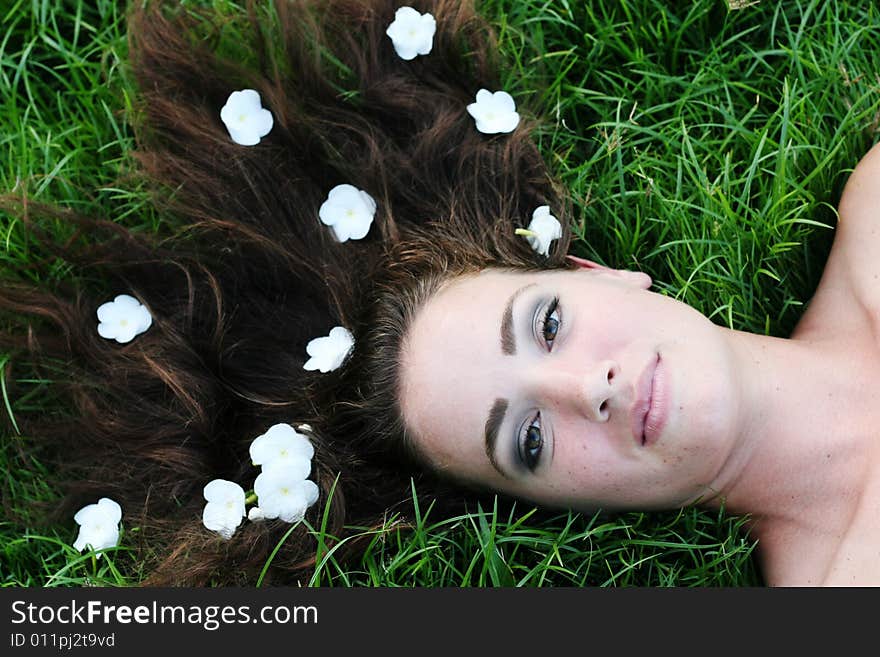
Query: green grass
{"x": 705, "y": 146}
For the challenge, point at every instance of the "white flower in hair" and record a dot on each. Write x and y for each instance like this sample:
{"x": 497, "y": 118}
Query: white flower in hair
{"x": 283, "y": 493}
{"x": 225, "y": 507}
{"x": 281, "y": 446}
{"x": 412, "y": 33}
{"x": 542, "y": 230}
{"x": 123, "y": 318}
{"x": 328, "y": 353}
{"x": 349, "y": 211}
{"x": 98, "y": 525}
{"x": 494, "y": 112}
{"x": 245, "y": 118}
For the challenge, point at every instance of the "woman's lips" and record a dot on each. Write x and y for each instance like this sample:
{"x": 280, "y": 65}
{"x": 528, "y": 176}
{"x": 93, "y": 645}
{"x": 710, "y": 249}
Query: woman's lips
{"x": 658, "y": 407}
{"x": 642, "y": 401}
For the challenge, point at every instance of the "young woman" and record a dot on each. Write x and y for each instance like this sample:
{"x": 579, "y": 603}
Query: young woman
{"x": 475, "y": 358}
{"x": 585, "y": 389}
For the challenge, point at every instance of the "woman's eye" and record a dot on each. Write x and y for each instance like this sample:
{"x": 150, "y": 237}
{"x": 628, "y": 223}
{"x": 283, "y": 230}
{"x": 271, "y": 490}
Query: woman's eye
{"x": 550, "y": 323}
{"x": 531, "y": 443}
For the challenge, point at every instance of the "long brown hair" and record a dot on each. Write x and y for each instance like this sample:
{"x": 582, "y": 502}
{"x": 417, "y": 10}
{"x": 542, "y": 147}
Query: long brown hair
{"x": 249, "y": 275}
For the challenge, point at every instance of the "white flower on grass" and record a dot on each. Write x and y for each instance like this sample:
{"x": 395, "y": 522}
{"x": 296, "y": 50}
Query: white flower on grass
{"x": 542, "y": 230}
{"x": 494, "y": 112}
{"x": 98, "y": 525}
{"x": 327, "y": 353}
{"x": 283, "y": 493}
{"x": 123, "y": 318}
{"x": 281, "y": 446}
{"x": 245, "y": 118}
{"x": 349, "y": 211}
{"x": 225, "y": 507}
{"x": 412, "y": 33}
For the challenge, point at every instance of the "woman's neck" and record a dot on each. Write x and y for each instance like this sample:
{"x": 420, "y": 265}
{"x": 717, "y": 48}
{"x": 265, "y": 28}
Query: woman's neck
{"x": 808, "y": 441}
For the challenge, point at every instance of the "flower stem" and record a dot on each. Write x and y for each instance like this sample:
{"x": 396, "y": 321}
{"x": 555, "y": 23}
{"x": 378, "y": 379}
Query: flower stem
{"x": 525, "y": 231}
{"x": 251, "y": 498}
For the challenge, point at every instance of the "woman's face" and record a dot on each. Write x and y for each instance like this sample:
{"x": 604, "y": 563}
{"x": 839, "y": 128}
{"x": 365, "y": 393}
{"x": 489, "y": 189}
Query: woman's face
{"x": 530, "y": 383}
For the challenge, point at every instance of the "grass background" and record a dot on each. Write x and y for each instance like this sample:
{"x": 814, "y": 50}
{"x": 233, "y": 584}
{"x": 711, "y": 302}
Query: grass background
{"x": 705, "y": 145}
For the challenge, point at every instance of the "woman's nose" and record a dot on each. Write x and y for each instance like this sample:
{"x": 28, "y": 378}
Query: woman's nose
{"x": 588, "y": 390}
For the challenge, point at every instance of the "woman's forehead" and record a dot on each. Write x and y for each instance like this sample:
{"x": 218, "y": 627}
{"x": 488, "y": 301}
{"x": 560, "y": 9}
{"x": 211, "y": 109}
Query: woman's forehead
{"x": 452, "y": 364}
{"x": 458, "y": 316}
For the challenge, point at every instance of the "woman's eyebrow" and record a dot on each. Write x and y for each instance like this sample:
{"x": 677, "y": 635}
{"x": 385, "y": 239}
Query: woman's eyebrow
{"x": 493, "y": 425}
{"x": 508, "y": 339}
{"x": 499, "y": 407}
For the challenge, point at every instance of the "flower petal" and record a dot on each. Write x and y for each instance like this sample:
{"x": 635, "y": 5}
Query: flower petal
{"x": 404, "y": 14}
{"x": 508, "y": 122}
{"x": 503, "y": 101}
{"x": 484, "y": 96}
{"x": 111, "y": 509}
{"x": 98, "y": 536}
{"x": 405, "y": 50}
{"x": 126, "y": 302}
{"x": 244, "y": 137}
{"x": 256, "y": 514}
{"x": 104, "y": 510}
{"x": 249, "y": 99}
{"x": 88, "y": 514}
{"x": 107, "y": 331}
{"x": 298, "y": 465}
{"x": 145, "y": 319}
{"x": 126, "y": 333}
{"x": 221, "y": 490}
{"x": 218, "y": 518}
{"x": 263, "y": 122}
{"x": 343, "y": 192}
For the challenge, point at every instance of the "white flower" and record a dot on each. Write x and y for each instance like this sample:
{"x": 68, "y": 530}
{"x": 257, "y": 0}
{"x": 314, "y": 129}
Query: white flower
{"x": 412, "y": 33}
{"x": 123, "y": 318}
{"x": 245, "y": 118}
{"x": 543, "y": 229}
{"x": 327, "y": 353}
{"x": 225, "y": 507}
{"x": 349, "y": 211}
{"x": 282, "y": 446}
{"x": 283, "y": 493}
{"x": 98, "y": 525}
{"x": 494, "y": 112}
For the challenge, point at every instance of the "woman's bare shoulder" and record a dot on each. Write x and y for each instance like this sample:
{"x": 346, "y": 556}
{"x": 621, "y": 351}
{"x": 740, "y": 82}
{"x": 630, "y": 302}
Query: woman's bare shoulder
{"x": 859, "y": 230}
{"x": 847, "y": 298}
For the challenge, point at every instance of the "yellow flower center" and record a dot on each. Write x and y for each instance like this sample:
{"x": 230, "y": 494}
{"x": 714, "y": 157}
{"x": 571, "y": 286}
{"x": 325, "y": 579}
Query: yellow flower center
{"x": 123, "y": 322}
